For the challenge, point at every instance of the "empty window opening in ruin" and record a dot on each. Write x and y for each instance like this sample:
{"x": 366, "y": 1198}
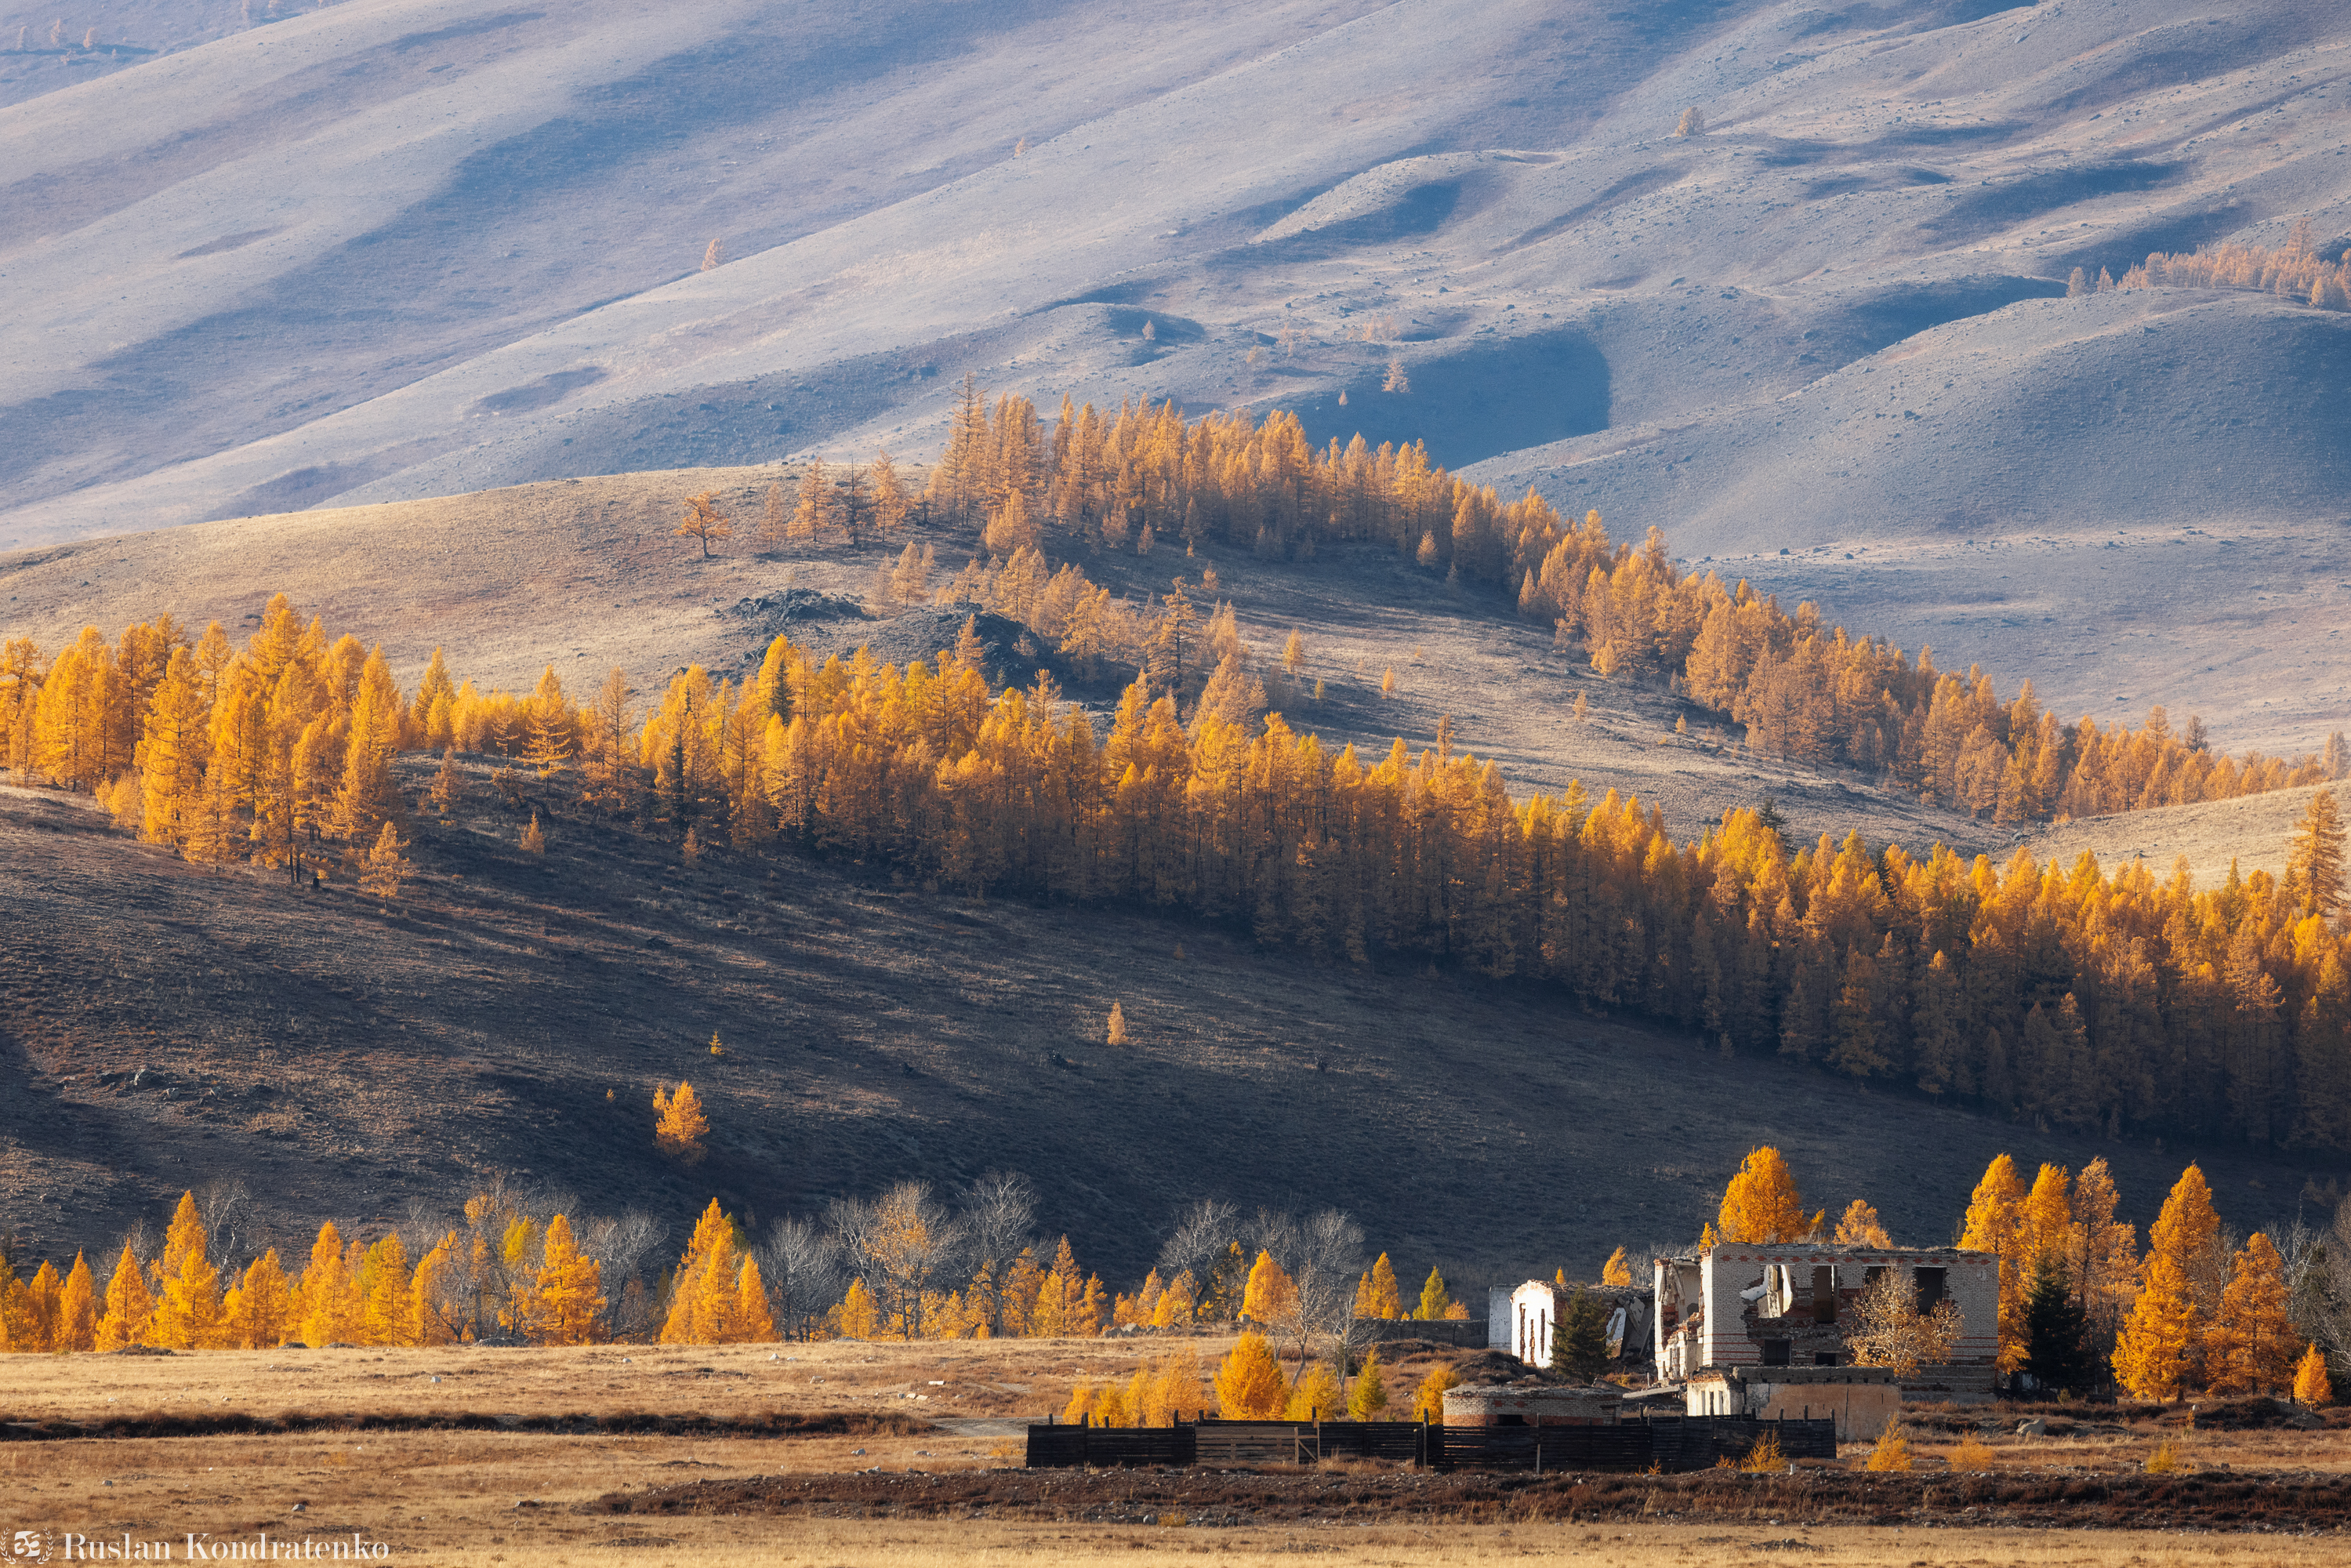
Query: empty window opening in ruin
{"x": 1824, "y": 1295}
{"x": 1930, "y": 1289}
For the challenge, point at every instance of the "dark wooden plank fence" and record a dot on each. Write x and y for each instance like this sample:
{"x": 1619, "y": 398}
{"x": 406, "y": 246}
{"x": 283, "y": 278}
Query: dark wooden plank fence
{"x": 1669, "y": 1443}
{"x": 1620, "y": 1447}
{"x": 1700, "y": 1442}
{"x": 1060, "y": 1448}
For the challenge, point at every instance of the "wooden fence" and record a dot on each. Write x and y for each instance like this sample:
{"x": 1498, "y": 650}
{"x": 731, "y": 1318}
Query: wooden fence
{"x": 1664, "y": 1442}
{"x": 1700, "y": 1442}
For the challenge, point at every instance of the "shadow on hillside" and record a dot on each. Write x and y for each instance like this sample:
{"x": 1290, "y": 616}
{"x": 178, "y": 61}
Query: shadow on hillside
{"x": 1477, "y": 401}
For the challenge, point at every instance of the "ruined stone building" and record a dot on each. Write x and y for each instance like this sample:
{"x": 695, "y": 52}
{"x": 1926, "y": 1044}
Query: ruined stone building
{"x": 1520, "y": 1320}
{"x": 1762, "y": 1329}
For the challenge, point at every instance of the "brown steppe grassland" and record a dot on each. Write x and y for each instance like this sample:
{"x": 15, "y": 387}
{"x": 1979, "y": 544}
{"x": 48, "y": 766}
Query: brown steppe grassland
{"x": 1146, "y": 669}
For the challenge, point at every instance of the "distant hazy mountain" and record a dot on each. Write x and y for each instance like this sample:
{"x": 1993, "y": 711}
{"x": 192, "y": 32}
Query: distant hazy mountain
{"x": 394, "y": 248}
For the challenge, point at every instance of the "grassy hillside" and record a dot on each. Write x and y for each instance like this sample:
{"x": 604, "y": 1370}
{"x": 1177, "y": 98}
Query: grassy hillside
{"x": 586, "y": 574}
{"x": 162, "y": 1023}
{"x": 2255, "y": 832}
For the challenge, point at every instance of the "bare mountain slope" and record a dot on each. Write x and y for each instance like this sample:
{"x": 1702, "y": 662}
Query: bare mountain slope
{"x": 389, "y": 249}
{"x": 161, "y": 1024}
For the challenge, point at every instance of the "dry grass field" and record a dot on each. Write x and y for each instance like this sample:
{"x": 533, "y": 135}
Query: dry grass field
{"x": 2256, "y": 833}
{"x": 961, "y": 1378}
{"x": 365, "y": 1443}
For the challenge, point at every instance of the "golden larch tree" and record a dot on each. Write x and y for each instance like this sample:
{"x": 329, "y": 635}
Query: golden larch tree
{"x": 1250, "y": 1385}
{"x": 1761, "y": 1203}
{"x": 2314, "y": 873}
{"x": 130, "y": 1309}
{"x": 429, "y": 710}
{"x": 385, "y": 1290}
{"x": 2250, "y": 1347}
{"x": 700, "y": 1298}
{"x": 187, "y": 1307}
{"x": 568, "y": 1295}
{"x": 679, "y": 1125}
{"x": 2310, "y": 1384}
{"x": 1368, "y": 1399}
{"x": 2045, "y": 1223}
{"x": 750, "y": 1318}
{"x": 1994, "y": 1214}
{"x": 890, "y": 503}
{"x": 366, "y": 796}
{"x": 771, "y": 520}
{"x": 76, "y": 1328}
{"x": 1436, "y": 1300}
{"x": 1270, "y": 1295}
{"x": 1316, "y": 1395}
{"x": 1892, "y": 1452}
{"x": 704, "y": 522}
{"x": 2152, "y": 1353}
{"x": 1617, "y": 1271}
{"x": 2105, "y": 1269}
{"x": 436, "y": 1276}
{"x": 813, "y": 513}
{"x": 1859, "y": 1226}
{"x": 41, "y": 1301}
{"x": 325, "y": 1310}
{"x": 858, "y": 1317}
{"x": 1428, "y": 1399}
{"x": 259, "y": 1311}
{"x": 385, "y": 867}
{"x": 172, "y": 753}
{"x": 2188, "y": 1231}
{"x": 18, "y": 1327}
{"x": 1164, "y": 1390}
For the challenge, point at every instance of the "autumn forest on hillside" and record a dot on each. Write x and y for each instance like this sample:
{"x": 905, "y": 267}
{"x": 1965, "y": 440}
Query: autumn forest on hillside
{"x": 2110, "y": 1001}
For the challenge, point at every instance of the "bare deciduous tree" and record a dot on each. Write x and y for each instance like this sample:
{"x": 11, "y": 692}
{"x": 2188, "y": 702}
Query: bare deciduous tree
{"x": 625, "y": 1249}
{"x": 225, "y": 1205}
{"x": 801, "y": 1265}
{"x": 1000, "y": 1214}
{"x": 1328, "y": 1253}
{"x": 1201, "y": 1234}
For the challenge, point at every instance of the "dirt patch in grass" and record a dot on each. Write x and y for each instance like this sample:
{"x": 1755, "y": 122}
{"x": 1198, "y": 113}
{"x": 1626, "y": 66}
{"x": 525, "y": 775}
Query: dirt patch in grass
{"x": 2205, "y": 1501}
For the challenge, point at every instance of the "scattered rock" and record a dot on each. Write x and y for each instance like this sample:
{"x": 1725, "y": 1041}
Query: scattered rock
{"x": 795, "y": 604}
